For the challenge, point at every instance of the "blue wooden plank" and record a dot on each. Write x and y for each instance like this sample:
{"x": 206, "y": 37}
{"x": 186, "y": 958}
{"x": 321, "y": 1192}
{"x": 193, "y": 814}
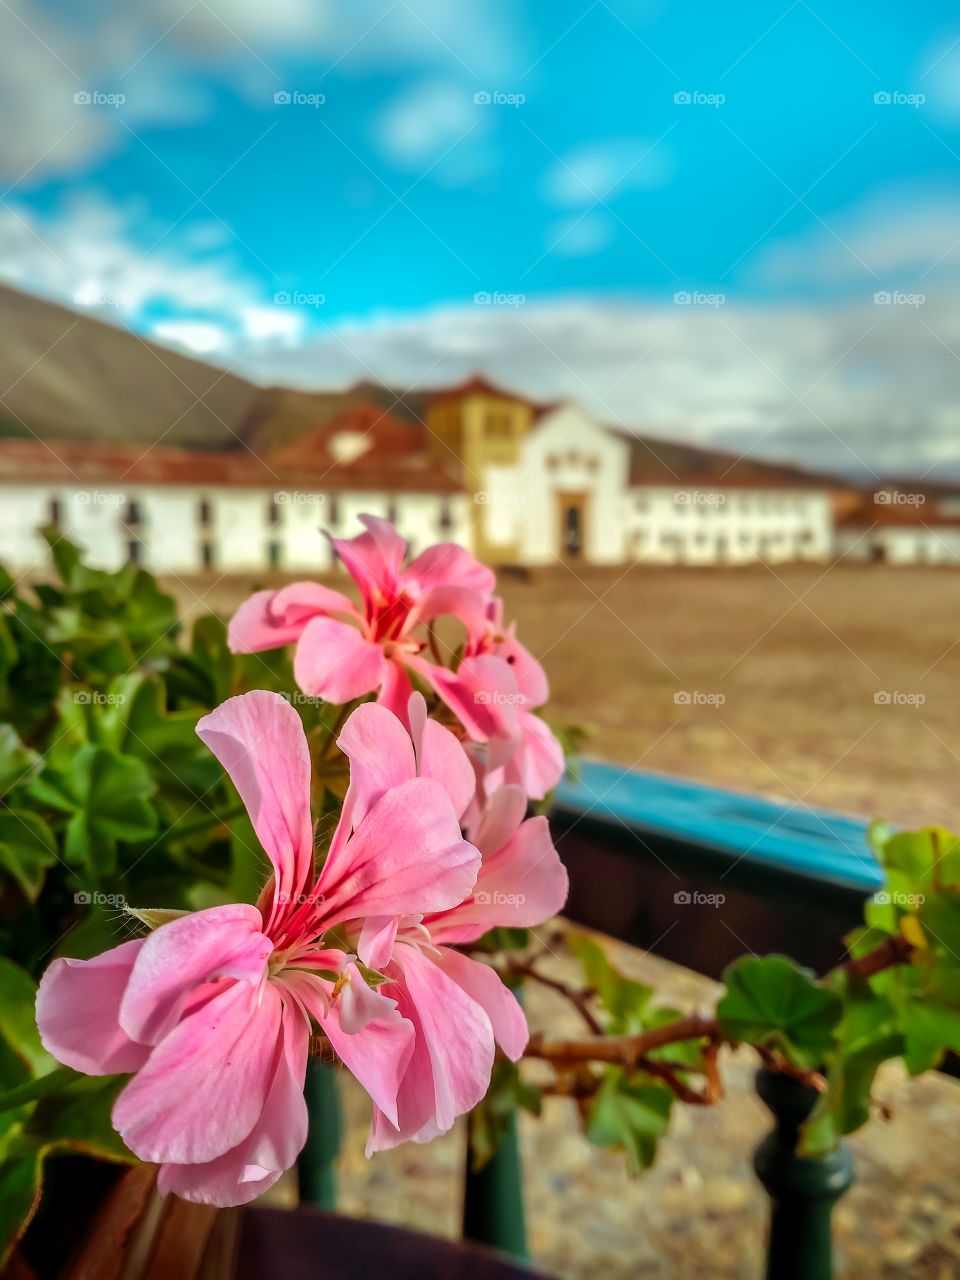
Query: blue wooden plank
{"x": 805, "y": 841}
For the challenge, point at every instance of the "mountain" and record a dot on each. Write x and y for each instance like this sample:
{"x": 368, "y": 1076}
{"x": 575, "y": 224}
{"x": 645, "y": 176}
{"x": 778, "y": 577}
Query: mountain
{"x": 71, "y": 377}
{"x": 65, "y": 376}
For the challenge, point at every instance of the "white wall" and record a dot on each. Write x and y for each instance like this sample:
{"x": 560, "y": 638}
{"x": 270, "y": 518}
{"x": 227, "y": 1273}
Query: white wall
{"x": 565, "y": 452}
{"x": 674, "y": 525}
{"x": 240, "y": 530}
{"x": 899, "y": 546}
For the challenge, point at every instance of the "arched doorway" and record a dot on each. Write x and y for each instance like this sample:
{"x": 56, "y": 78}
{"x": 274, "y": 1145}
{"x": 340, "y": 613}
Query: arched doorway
{"x": 572, "y": 510}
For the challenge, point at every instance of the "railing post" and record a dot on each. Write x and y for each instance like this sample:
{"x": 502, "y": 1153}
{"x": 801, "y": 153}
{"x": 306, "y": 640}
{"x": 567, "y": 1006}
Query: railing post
{"x": 493, "y": 1197}
{"x": 803, "y": 1189}
{"x": 315, "y": 1166}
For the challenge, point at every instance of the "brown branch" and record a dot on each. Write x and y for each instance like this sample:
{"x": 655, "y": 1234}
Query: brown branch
{"x": 624, "y": 1051}
{"x": 579, "y": 999}
{"x": 777, "y": 1061}
{"x": 895, "y": 950}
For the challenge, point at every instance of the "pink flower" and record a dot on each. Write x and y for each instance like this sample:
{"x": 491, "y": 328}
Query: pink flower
{"x": 459, "y": 1007}
{"x": 497, "y": 668}
{"x": 212, "y": 1011}
{"x": 344, "y": 652}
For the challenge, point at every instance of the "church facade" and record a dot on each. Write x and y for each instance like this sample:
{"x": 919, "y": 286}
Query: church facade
{"x": 518, "y": 483}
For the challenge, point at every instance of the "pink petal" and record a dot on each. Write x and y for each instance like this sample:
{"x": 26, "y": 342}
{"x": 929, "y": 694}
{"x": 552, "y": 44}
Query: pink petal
{"x": 377, "y": 937}
{"x": 450, "y": 1071}
{"x": 446, "y": 564}
{"x": 483, "y": 696}
{"x": 539, "y": 764}
{"x": 501, "y": 817}
{"x": 220, "y": 942}
{"x": 206, "y": 1083}
{"x": 458, "y": 602}
{"x": 406, "y": 857}
{"x": 259, "y": 740}
{"x": 373, "y": 559}
{"x": 523, "y": 884}
{"x": 377, "y": 1055}
{"x": 380, "y": 754}
{"x": 249, "y": 1169}
{"x": 530, "y": 675}
{"x": 440, "y": 756}
{"x": 483, "y": 984}
{"x": 333, "y": 661}
{"x": 270, "y": 619}
{"x": 395, "y": 691}
{"x": 78, "y": 1012}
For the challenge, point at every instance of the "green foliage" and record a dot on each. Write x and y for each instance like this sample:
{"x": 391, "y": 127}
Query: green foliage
{"x": 107, "y": 799}
{"x": 624, "y": 1000}
{"x": 629, "y": 1114}
{"x": 770, "y": 1001}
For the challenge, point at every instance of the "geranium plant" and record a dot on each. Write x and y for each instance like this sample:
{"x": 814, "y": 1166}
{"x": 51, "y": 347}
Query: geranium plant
{"x": 315, "y": 832}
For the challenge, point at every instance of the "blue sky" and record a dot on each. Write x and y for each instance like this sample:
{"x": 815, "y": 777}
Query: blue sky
{"x": 187, "y": 200}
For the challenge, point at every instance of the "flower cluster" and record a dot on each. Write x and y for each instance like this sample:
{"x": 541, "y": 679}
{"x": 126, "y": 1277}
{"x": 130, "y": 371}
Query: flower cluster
{"x": 213, "y": 1011}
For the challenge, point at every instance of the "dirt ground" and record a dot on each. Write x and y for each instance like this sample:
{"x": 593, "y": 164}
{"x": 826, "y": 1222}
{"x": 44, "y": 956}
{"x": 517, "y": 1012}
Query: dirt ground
{"x": 835, "y": 685}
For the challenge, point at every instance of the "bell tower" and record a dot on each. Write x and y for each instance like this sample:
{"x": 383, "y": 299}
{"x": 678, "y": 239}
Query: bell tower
{"x": 484, "y": 429}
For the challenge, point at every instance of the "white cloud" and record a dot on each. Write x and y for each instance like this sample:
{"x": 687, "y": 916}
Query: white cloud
{"x": 198, "y": 337}
{"x": 429, "y": 122}
{"x": 858, "y": 388}
{"x": 101, "y": 258}
{"x": 900, "y": 235}
{"x": 167, "y": 58}
{"x": 604, "y": 168}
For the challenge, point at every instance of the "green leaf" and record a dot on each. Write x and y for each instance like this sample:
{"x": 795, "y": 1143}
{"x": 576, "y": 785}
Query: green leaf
{"x": 624, "y": 999}
{"x": 27, "y": 849}
{"x": 108, "y": 797}
{"x": 18, "y": 995}
{"x": 772, "y": 1001}
{"x": 631, "y": 1115}
{"x": 18, "y": 764}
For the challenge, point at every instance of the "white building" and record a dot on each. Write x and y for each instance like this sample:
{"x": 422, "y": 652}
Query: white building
{"x": 515, "y": 482}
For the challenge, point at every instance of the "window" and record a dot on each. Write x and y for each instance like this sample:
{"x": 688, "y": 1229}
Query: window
{"x": 274, "y": 554}
{"x": 203, "y": 511}
{"x": 445, "y": 518}
{"x": 498, "y": 424}
{"x": 392, "y": 511}
{"x": 135, "y": 551}
{"x": 133, "y": 511}
{"x": 55, "y": 511}
{"x": 273, "y": 511}
{"x": 334, "y": 509}
{"x": 206, "y": 555}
